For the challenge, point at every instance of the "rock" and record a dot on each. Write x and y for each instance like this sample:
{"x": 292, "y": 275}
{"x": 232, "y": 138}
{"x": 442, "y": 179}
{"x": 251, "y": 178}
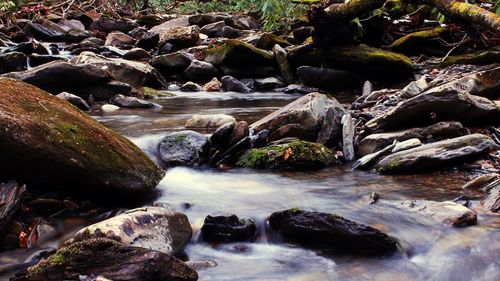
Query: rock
{"x": 132, "y": 102}
{"x": 294, "y": 154}
{"x": 41, "y": 32}
{"x": 407, "y": 144}
{"x": 483, "y": 83}
{"x": 283, "y": 65}
{"x": 292, "y": 131}
{"x": 149, "y": 41}
{"x": 172, "y": 63}
{"x": 415, "y": 87}
{"x": 109, "y": 108}
{"x": 228, "y": 229}
{"x": 270, "y": 83}
{"x": 74, "y": 100}
{"x": 248, "y": 71}
{"x": 107, "y": 25}
{"x": 57, "y": 144}
{"x": 297, "y": 89}
{"x": 154, "y": 228}
{"x": 240, "y": 131}
{"x": 204, "y": 19}
{"x": 212, "y": 28}
{"x": 181, "y": 37}
{"x": 436, "y": 155}
{"x": 13, "y": 61}
{"x": 445, "y": 212}
{"x": 228, "y": 32}
{"x": 480, "y": 182}
{"x": 441, "y": 130}
{"x": 237, "y": 53}
{"x": 208, "y": 121}
{"x": 328, "y": 79}
{"x": 58, "y": 76}
{"x": 308, "y": 111}
{"x": 36, "y": 59}
{"x": 173, "y": 23}
{"x": 232, "y": 84}
{"x": 191, "y": 87}
{"x": 186, "y": 148}
{"x": 10, "y": 201}
{"x": 200, "y": 71}
{"x": 119, "y": 39}
{"x": 331, "y": 231}
{"x": 440, "y": 103}
{"x": 260, "y": 139}
{"x": 348, "y": 134}
{"x": 149, "y": 20}
{"x": 136, "y": 74}
{"x": 229, "y": 156}
{"x": 492, "y": 200}
{"x": 300, "y": 34}
{"x": 267, "y": 41}
{"x": 109, "y": 259}
{"x": 368, "y": 160}
{"x": 137, "y": 54}
{"x": 330, "y": 133}
{"x": 47, "y": 206}
{"x": 69, "y": 24}
{"x": 220, "y": 138}
{"x": 213, "y": 86}
{"x": 103, "y": 92}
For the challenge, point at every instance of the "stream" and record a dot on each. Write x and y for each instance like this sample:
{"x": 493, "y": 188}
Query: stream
{"x": 428, "y": 249}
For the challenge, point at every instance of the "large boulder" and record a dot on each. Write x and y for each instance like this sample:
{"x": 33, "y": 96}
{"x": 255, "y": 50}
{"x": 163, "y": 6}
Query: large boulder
{"x": 136, "y": 74}
{"x": 172, "y": 63}
{"x": 154, "y": 228}
{"x": 186, "y": 148}
{"x": 447, "y": 212}
{"x": 308, "y": 111}
{"x": 236, "y": 53}
{"x": 47, "y": 141}
{"x": 440, "y": 130}
{"x": 200, "y": 71}
{"x": 109, "y": 259}
{"x": 293, "y": 154}
{"x": 435, "y": 155}
{"x": 13, "y": 61}
{"x": 331, "y": 231}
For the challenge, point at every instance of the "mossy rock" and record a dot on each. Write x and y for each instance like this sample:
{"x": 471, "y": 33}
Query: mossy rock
{"x": 150, "y": 93}
{"x": 268, "y": 40}
{"x": 46, "y": 141}
{"x": 295, "y": 154}
{"x": 370, "y": 61}
{"x": 236, "y": 53}
{"x": 424, "y": 41}
{"x": 482, "y": 57}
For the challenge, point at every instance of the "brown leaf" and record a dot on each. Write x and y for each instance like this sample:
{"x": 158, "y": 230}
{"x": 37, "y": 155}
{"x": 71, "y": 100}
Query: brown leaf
{"x": 288, "y": 153}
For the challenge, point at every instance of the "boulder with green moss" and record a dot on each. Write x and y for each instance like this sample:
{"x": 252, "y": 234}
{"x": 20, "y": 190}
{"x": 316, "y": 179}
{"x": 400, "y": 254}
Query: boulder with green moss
{"x": 293, "y": 154}
{"x": 236, "y": 53}
{"x": 109, "y": 259}
{"x": 423, "y": 41}
{"x": 436, "y": 155}
{"x": 47, "y": 141}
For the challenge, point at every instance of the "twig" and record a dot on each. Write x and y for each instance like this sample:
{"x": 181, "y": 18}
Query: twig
{"x": 452, "y": 49}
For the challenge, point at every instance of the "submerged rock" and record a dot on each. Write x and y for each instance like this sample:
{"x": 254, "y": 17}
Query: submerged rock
{"x": 294, "y": 154}
{"x": 228, "y": 229}
{"x": 445, "y": 212}
{"x": 154, "y": 228}
{"x": 185, "y": 148}
{"x": 208, "y": 121}
{"x": 46, "y": 141}
{"x": 331, "y": 231}
{"x": 435, "y": 155}
{"x": 110, "y": 259}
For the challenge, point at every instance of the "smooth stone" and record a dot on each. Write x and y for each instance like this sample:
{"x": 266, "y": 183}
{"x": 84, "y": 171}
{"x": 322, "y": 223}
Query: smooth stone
{"x": 208, "y": 121}
{"x": 185, "y": 148}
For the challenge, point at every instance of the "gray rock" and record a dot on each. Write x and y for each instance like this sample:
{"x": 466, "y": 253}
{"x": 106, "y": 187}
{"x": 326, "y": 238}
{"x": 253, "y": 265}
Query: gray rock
{"x": 348, "y": 134}
{"x": 200, "y": 71}
{"x": 270, "y": 83}
{"x": 407, "y": 144}
{"x": 154, "y": 228}
{"x": 191, "y": 87}
{"x": 209, "y": 121}
{"x": 132, "y": 102}
{"x": 330, "y": 133}
{"x": 74, "y": 100}
{"x": 181, "y": 37}
{"x": 435, "y": 155}
{"x": 107, "y": 25}
{"x": 445, "y": 212}
{"x": 172, "y": 63}
{"x": 232, "y": 84}
{"x": 119, "y": 39}
{"x": 185, "y": 148}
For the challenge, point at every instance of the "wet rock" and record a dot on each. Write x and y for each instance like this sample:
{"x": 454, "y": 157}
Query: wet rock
{"x": 213, "y": 86}
{"x": 368, "y": 160}
{"x": 74, "y": 100}
{"x": 270, "y": 83}
{"x": 229, "y": 156}
{"x": 208, "y": 121}
{"x": 107, "y": 25}
{"x": 149, "y": 41}
{"x": 331, "y": 231}
{"x": 436, "y": 155}
{"x": 191, "y": 87}
{"x": 13, "y": 61}
{"x": 293, "y": 154}
{"x": 228, "y": 229}
{"x": 300, "y": 34}
{"x": 181, "y": 37}
{"x": 200, "y": 71}
{"x": 441, "y": 130}
{"x": 407, "y": 144}
{"x": 137, "y": 54}
{"x": 185, "y": 148}
{"x": 220, "y": 138}
{"x": 325, "y": 78}
{"x": 445, "y": 212}
{"x": 172, "y": 63}
{"x": 132, "y": 102}
{"x": 10, "y": 201}
{"x": 136, "y": 74}
{"x": 154, "y": 228}
{"x": 109, "y": 259}
{"x": 36, "y": 59}
{"x": 58, "y": 76}
{"x": 260, "y": 139}
{"x": 232, "y": 84}
{"x": 297, "y": 89}
{"x": 57, "y": 144}
{"x": 330, "y": 133}
{"x": 119, "y": 39}
{"x": 480, "y": 182}
{"x": 109, "y": 108}
{"x": 492, "y": 200}
{"x": 308, "y": 111}
{"x": 237, "y": 53}
{"x": 199, "y": 265}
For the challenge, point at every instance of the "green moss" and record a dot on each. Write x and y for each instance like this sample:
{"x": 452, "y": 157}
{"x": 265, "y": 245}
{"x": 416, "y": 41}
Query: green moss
{"x": 180, "y": 138}
{"x": 295, "y": 210}
{"x": 409, "y": 40}
{"x": 150, "y": 93}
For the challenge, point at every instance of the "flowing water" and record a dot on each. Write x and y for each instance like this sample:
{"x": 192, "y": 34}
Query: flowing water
{"x": 428, "y": 250}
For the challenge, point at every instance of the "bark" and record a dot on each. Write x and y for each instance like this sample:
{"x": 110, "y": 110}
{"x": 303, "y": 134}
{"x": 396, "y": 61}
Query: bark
{"x": 455, "y": 10}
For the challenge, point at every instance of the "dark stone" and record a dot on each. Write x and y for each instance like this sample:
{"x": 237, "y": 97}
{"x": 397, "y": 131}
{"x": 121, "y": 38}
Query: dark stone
{"x": 230, "y": 83}
{"x": 220, "y": 138}
{"x": 200, "y": 71}
{"x": 36, "y": 59}
{"x": 138, "y": 54}
{"x": 249, "y": 71}
{"x": 172, "y": 63}
{"x": 102, "y": 92}
{"x": 185, "y": 148}
{"x": 43, "y": 33}
{"x": 149, "y": 41}
{"x": 132, "y": 102}
{"x": 107, "y": 25}
{"x": 300, "y": 34}
{"x": 168, "y": 48}
{"x": 228, "y": 32}
{"x": 291, "y": 131}
{"x": 10, "y": 201}
{"x": 13, "y": 61}
{"x": 325, "y": 78}
{"x": 270, "y": 83}
{"x": 260, "y": 139}
{"x": 228, "y": 229}
{"x": 212, "y": 28}
{"x": 330, "y": 133}
{"x": 191, "y": 87}
{"x": 331, "y": 231}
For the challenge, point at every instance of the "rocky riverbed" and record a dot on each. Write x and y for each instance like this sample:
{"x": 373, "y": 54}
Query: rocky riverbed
{"x": 198, "y": 147}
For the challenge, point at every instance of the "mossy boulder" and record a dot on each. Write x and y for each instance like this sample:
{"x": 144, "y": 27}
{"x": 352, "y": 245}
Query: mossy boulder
{"x": 370, "y": 61}
{"x": 423, "y": 41}
{"x": 295, "y": 154}
{"x": 48, "y": 142}
{"x": 236, "y": 53}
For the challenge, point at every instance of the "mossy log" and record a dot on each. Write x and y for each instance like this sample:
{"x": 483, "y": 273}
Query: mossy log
{"x": 459, "y": 11}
